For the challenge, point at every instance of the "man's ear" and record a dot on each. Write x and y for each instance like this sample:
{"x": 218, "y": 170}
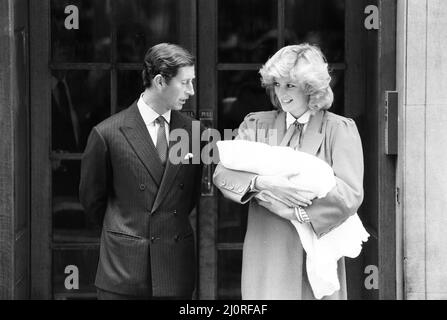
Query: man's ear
{"x": 159, "y": 81}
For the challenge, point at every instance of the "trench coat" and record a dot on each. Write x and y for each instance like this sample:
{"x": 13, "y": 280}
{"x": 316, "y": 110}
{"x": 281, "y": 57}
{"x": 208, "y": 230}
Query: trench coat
{"x": 273, "y": 264}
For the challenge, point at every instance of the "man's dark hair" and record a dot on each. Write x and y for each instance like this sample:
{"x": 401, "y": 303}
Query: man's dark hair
{"x": 165, "y": 59}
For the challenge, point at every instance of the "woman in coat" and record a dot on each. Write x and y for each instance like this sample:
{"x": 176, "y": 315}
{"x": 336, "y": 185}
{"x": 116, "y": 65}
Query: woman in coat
{"x": 273, "y": 265}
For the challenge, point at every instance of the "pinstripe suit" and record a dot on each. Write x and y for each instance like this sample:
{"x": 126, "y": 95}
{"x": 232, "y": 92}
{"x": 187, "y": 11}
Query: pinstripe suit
{"x": 147, "y": 243}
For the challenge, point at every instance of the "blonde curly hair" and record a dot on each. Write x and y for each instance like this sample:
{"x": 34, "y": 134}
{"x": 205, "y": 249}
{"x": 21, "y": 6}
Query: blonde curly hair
{"x": 305, "y": 64}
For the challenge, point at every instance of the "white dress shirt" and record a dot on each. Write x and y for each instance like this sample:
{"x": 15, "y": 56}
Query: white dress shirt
{"x": 149, "y": 116}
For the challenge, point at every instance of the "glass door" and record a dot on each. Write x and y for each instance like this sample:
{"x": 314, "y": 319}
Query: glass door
{"x": 82, "y": 76}
{"x": 240, "y": 37}
{"x": 90, "y": 54}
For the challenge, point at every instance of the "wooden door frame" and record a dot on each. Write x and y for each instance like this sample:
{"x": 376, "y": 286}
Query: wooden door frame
{"x": 386, "y": 163}
{"x": 40, "y": 149}
{"x": 372, "y": 74}
{"x": 14, "y": 150}
{"x": 207, "y": 102}
{"x": 382, "y": 64}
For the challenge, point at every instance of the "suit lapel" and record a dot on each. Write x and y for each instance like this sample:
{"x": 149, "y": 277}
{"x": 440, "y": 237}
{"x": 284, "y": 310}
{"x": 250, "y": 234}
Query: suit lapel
{"x": 177, "y": 122}
{"x": 313, "y": 136}
{"x": 137, "y": 135}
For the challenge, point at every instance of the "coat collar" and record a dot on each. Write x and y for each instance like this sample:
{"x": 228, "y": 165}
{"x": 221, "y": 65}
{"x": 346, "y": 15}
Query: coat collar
{"x": 280, "y": 124}
{"x": 313, "y": 136}
{"x": 277, "y": 129}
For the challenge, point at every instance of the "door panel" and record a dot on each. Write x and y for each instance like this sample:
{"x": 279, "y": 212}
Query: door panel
{"x": 236, "y": 51}
{"x": 21, "y": 110}
{"x": 90, "y": 42}
{"x": 246, "y": 30}
{"x": 81, "y": 77}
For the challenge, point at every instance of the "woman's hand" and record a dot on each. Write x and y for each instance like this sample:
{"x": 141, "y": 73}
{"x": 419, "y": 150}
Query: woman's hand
{"x": 277, "y": 207}
{"x": 286, "y": 191}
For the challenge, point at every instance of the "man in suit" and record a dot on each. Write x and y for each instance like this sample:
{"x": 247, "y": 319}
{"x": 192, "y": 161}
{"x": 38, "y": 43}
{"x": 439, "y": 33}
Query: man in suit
{"x": 147, "y": 243}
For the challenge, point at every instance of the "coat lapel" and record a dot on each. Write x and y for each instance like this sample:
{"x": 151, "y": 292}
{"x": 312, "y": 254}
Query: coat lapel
{"x": 313, "y": 136}
{"x": 136, "y": 133}
{"x": 177, "y": 122}
{"x": 280, "y": 127}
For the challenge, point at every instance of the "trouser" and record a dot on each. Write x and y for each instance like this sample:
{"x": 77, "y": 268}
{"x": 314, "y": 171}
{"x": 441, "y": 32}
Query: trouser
{"x": 107, "y": 295}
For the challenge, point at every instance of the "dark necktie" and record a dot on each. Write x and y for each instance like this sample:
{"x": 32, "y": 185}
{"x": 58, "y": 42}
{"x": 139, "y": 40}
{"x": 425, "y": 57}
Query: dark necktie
{"x": 162, "y": 143}
{"x": 295, "y": 140}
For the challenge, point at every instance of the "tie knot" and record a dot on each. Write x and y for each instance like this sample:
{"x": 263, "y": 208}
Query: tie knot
{"x": 161, "y": 121}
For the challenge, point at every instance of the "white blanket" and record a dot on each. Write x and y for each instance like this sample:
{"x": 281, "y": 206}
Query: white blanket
{"x": 312, "y": 174}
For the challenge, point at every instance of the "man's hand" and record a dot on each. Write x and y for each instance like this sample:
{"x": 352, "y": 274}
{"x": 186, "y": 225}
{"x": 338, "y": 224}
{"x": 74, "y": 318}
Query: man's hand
{"x": 277, "y": 207}
{"x": 281, "y": 187}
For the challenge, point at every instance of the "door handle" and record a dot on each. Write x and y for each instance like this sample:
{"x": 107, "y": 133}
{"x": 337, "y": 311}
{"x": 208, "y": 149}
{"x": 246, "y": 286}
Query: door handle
{"x": 206, "y": 118}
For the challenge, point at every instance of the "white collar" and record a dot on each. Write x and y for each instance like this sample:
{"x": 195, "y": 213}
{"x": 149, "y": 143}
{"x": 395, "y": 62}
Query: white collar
{"x": 148, "y": 114}
{"x": 303, "y": 119}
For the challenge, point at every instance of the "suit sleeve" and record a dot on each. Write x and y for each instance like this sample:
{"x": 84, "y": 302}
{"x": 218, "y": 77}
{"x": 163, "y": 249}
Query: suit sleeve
{"x": 346, "y": 197}
{"x": 234, "y": 184}
{"x": 95, "y": 176}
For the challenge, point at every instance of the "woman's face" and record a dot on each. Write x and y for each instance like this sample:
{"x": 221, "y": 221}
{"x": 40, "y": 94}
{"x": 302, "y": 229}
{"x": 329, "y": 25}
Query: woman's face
{"x": 291, "y": 96}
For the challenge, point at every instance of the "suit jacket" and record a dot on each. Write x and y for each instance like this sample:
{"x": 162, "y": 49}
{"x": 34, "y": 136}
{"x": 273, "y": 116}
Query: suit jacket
{"x": 273, "y": 257}
{"x": 147, "y": 242}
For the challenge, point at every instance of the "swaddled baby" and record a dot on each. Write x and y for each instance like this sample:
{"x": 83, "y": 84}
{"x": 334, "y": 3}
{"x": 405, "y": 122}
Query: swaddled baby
{"x": 306, "y": 171}
{"x": 309, "y": 173}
